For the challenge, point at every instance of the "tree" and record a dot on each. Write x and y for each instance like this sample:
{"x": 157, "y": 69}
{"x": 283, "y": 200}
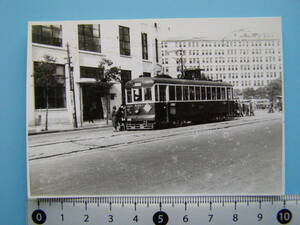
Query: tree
{"x": 44, "y": 78}
{"x": 274, "y": 88}
{"x": 107, "y": 74}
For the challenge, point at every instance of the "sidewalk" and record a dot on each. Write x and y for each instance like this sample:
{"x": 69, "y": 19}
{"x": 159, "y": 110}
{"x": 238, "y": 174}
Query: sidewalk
{"x": 53, "y": 128}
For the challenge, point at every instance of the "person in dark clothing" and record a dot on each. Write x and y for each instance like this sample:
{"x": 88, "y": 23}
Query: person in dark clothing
{"x": 114, "y": 118}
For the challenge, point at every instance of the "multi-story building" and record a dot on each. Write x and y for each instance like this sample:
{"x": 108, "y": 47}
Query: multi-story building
{"x": 244, "y": 59}
{"x": 132, "y": 46}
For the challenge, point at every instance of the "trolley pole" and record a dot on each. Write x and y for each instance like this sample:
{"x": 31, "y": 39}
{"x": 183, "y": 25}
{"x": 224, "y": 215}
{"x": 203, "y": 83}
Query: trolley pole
{"x": 71, "y": 78}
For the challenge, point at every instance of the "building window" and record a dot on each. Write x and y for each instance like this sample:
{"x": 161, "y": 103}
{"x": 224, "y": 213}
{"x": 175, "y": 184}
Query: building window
{"x": 144, "y": 46}
{"x": 89, "y": 37}
{"x": 48, "y": 35}
{"x": 56, "y": 88}
{"x": 124, "y": 37}
{"x": 91, "y": 72}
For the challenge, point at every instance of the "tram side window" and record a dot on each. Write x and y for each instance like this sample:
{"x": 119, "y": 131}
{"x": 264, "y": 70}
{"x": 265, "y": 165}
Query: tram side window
{"x": 172, "y": 92}
{"x": 185, "y": 93}
{"x": 203, "y": 93}
{"x": 162, "y": 93}
{"x": 147, "y": 94}
{"x": 198, "y": 93}
{"x": 192, "y": 92}
{"x": 213, "y": 93}
{"x": 223, "y": 93}
{"x": 208, "y": 91}
{"x": 156, "y": 92}
{"x": 179, "y": 92}
{"x": 218, "y": 93}
{"x": 229, "y": 93}
{"x": 137, "y": 94}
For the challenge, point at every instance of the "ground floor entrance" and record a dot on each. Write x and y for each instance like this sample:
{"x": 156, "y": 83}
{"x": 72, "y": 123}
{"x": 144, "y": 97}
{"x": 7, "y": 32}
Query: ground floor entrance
{"x": 91, "y": 103}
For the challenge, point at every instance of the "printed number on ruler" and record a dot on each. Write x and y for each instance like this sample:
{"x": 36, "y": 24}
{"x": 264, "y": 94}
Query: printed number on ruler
{"x": 213, "y": 210}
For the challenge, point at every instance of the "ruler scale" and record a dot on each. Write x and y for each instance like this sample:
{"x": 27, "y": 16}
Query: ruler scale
{"x": 162, "y": 210}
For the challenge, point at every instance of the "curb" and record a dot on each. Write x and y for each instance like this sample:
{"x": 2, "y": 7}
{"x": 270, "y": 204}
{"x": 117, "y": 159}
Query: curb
{"x": 66, "y": 130}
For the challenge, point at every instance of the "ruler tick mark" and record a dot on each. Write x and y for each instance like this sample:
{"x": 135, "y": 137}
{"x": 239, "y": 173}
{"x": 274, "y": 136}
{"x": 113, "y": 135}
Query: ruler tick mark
{"x": 235, "y": 205}
{"x": 85, "y": 206}
{"x": 109, "y": 206}
{"x": 185, "y": 206}
{"x": 159, "y": 206}
{"x": 135, "y": 206}
{"x": 260, "y": 204}
{"x": 38, "y": 204}
{"x": 62, "y": 205}
{"x": 210, "y": 206}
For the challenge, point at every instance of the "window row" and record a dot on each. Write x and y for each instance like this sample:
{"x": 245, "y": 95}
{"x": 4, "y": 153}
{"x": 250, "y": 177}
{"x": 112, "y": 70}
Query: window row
{"x": 164, "y": 93}
{"x": 89, "y": 38}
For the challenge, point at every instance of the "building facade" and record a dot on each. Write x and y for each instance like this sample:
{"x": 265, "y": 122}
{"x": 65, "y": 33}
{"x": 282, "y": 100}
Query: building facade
{"x": 243, "y": 59}
{"x": 132, "y": 46}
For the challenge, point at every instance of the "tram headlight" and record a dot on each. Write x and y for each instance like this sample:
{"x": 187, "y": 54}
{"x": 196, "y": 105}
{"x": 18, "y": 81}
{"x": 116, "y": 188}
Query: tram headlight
{"x": 137, "y": 111}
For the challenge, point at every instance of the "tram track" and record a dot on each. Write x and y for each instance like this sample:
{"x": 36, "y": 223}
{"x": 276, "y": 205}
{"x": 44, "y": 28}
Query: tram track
{"x": 123, "y": 139}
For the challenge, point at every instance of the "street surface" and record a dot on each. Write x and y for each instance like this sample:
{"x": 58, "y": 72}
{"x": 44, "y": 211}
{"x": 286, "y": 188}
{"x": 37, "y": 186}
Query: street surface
{"x": 241, "y": 156}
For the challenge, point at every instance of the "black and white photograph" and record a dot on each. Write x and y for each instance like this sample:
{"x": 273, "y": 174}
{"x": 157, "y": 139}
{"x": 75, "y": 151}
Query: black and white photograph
{"x": 155, "y": 107}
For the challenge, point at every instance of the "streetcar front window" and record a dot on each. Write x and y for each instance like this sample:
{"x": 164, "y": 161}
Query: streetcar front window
{"x": 147, "y": 94}
{"x": 229, "y": 93}
{"x": 129, "y": 95}
{"x": 137, "y": 94}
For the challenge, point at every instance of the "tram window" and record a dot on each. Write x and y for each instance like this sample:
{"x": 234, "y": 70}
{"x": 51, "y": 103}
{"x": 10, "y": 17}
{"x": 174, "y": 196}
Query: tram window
{"x": 129, "y": 95}
{"x": 198, "y": 93}
{"x": 147, "y": 94}
{"x": 218, "y": 93}
{"x": 178, "y": 92}
{"x": 137, "y": 94}
{"x": 156, "y": 92}
{"x": 208, "y": 91}
{"x": 203, "y": 93}
{"x": 229, "y": 93}
{"x": 185, "y": 93}
{"x": 192, "y": 92}
{"x": 172, "y": 92}
{"x": 162, "y": 93}
{"x": 223, "y": 93}
{"x": 213, "y": 93}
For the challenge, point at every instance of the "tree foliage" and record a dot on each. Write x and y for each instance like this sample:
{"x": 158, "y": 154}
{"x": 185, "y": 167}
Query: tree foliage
{"x": 107, "y": 74}
{"x": 44, "y": 73}
{"x": 273, "y": 89}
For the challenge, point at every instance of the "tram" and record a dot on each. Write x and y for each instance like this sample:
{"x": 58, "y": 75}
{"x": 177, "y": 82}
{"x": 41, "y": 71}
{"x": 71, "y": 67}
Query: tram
{"x": 153, "y": 102}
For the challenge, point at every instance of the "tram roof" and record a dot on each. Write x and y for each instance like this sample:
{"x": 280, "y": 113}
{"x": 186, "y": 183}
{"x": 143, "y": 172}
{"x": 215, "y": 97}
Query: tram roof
{"x": 150, "y": 81}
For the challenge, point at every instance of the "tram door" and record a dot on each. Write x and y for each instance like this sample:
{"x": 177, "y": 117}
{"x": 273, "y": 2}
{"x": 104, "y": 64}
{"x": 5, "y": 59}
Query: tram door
{"x": 163, "y": 113}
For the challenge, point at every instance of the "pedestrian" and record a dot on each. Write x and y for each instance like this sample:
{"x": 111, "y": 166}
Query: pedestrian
{"x": 121, "y": 118}
{"x": 251, "y": 108}
{"x": 91, "y": 112}
{"x": 114, "y": 119}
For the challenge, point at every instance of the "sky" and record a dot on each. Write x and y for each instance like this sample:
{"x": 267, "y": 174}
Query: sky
{"x": 216, "y": 27}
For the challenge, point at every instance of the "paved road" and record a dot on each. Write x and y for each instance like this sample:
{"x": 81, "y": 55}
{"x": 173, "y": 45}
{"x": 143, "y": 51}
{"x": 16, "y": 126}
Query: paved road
{"x": 242, "y": 156}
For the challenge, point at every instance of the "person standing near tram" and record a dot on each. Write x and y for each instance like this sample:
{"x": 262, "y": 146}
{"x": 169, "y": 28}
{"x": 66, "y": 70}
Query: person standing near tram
{"x": 114, "y": 119}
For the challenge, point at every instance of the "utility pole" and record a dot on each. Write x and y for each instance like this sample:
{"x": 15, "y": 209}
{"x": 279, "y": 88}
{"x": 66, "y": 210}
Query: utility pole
{"x": 71, "y": 78}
